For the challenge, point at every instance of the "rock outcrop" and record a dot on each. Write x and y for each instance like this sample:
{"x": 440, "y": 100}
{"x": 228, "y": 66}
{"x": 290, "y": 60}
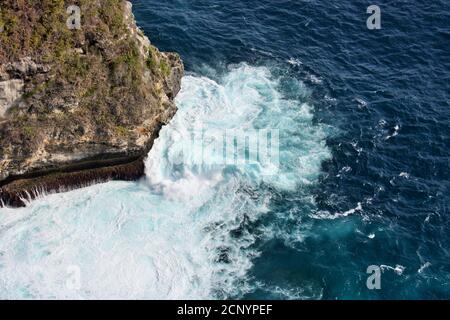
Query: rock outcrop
{"x": 78, "y": 106}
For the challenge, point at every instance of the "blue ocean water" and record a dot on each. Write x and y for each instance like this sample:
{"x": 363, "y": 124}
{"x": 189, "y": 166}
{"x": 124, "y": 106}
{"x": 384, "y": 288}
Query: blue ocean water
{"x": 364, "y": 171}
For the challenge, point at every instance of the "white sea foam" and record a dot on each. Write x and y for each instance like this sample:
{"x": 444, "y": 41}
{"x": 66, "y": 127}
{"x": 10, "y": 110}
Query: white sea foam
{"x": 171, "y": 235}
{"x": 295, "y": 62}
{"x": 423, "y": 267}
{"x": 325, "y": 215}
{"x": 404, "y": 175}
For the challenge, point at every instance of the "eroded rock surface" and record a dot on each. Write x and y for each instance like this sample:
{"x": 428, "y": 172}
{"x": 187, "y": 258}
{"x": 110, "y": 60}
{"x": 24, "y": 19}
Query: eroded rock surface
{"x": 74, "y": 102}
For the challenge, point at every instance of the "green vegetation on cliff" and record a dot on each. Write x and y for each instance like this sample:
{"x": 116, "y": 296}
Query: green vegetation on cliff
{"x": 98, "y": 89}
{"x": 99, "y": 64}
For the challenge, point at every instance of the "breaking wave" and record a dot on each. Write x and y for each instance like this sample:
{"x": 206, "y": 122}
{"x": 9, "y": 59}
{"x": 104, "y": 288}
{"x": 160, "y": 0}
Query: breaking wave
{"x": 188, "y": 230}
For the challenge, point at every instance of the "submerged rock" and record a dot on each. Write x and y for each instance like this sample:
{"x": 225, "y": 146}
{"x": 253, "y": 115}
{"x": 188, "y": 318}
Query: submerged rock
{"x": 78, "y": 106}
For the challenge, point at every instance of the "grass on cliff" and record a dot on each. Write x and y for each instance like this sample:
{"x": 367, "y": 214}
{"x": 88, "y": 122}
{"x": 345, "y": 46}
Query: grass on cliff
{"x": 107, "y": 72}
{"x": 38, "y": 27}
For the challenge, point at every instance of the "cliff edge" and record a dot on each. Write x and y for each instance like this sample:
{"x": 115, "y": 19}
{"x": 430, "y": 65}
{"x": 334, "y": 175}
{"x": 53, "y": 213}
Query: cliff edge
{"x": 78, "y": 103}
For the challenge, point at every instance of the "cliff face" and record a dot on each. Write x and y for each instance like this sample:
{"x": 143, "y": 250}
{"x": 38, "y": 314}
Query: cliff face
{"x": 78, "y": 105}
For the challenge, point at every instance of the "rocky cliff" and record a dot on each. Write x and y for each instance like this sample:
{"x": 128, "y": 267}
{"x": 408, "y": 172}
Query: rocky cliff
{"x": 78, "y": 105}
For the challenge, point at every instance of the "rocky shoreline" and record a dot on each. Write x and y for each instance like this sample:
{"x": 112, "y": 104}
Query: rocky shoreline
{"x": 87, "y": 113}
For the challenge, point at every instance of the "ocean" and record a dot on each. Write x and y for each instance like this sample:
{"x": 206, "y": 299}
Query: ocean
{"x": 362, "y": 182}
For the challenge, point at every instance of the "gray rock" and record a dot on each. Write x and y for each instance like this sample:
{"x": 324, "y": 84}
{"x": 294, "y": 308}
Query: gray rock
{"x": 81, "y": 125}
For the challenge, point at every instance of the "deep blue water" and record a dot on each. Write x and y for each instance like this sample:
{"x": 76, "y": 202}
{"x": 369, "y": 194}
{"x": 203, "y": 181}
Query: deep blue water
{"x": 364, "y": 175}
{"x": 386, "y": 92}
